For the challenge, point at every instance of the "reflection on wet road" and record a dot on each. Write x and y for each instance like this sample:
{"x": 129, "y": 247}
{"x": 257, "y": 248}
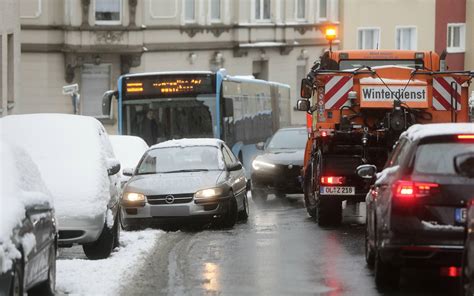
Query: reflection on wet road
{"x": 279, "y": 251}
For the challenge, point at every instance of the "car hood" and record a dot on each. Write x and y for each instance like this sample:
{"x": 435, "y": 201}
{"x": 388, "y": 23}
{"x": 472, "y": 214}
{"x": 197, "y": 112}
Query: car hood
{"x": 283, "y": 156}
{"x": 174, "y": 183}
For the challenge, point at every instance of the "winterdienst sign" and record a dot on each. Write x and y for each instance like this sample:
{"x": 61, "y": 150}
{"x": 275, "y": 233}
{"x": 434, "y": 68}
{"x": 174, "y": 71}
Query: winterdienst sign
{"x": 379, "y": 96}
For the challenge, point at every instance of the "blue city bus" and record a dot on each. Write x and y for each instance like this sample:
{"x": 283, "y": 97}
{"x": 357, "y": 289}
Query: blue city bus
{"x": 240, "y": 110}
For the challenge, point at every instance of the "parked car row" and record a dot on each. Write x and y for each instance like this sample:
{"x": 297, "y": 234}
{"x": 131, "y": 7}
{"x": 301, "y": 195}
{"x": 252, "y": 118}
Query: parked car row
{"x": 419, "y": 205}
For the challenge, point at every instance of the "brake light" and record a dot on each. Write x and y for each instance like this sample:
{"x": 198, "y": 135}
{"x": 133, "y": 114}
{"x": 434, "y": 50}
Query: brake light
{"x": 451, "y": 271}
{"x": 409, "y": 189}
{"x": 324, "y": 134}
{"x": 332, "y": 180}
{"x": 465, "y": 137}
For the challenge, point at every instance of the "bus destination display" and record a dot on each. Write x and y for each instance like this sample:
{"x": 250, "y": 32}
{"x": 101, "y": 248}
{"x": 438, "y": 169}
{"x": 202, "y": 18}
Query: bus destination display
{"x": 169, "y": 86}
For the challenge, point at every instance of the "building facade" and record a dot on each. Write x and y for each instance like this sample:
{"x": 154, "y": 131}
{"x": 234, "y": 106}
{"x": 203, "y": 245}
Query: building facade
{"x": 409, "y": 24}
{"x": 92, "y": 42}
{"x": 9, "y": 56}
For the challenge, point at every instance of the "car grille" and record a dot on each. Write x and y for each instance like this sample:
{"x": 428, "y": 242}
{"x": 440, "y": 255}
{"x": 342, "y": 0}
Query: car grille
{"x": 178, "y": 199}
{"x": 283, "y": 169}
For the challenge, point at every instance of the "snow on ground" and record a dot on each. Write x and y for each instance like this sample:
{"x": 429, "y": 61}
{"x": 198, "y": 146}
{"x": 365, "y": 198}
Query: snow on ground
{"x": 77, "y": 275}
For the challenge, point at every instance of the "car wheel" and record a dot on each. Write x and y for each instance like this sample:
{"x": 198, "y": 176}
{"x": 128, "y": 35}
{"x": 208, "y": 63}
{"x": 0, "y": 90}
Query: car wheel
{"x": 387, "y": 276}
{"x": 280, "y": 195}
{"x": 230, "y": 218}
{"x": 466, "y": 286}
{"x": 102, "y": 247}
{"x": 244, "y": 214}
{"x": 369, "y": 252}
{"x": 17, "y": 281}
{"x": 49, "y": 286}
{"x": 259, "y": 196}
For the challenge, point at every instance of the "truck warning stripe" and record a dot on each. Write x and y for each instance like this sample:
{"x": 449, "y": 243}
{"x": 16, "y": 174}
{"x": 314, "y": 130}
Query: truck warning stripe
{"x": 337, "y": 89}
{"x": 442, "y": 93}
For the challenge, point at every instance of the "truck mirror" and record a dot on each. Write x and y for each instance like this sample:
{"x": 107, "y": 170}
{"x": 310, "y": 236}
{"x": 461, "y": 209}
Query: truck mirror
{"x": 366, "y": 171}
{"x": 306, "y": 89}
{"x": 228, "y": 107}
{"x": 107, "y": 102}
{"x": 303, "y": 105}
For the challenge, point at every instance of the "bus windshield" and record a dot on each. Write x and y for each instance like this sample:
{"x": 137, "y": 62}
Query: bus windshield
{"x": 355, "y": 64}
{"x": 160, "y": 107}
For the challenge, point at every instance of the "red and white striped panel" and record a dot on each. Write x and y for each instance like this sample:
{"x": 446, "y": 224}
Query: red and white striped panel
{"x": 336, "y": 91}
{"x": 442, "y": 91}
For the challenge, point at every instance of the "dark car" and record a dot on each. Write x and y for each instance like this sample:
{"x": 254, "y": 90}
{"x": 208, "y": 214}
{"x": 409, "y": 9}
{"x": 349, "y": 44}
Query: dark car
{"x": 277, "y": 170}
{"x": 28, "y": 234}
{"x": 186, "y": 181}
{"x": 416, "y": 209}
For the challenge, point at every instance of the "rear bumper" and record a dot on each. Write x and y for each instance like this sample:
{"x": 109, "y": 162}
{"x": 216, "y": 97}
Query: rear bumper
{"x": 422, "y": 255}
{"x": 80, "y": 230}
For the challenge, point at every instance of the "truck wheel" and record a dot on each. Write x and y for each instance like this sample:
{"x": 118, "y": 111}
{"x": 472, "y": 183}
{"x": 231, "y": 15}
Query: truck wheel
{"x": 309, "y": 198}
{"x": 102, "y": 247}
{"x": 329, "y": 211}
{"x": 387, "y": 276}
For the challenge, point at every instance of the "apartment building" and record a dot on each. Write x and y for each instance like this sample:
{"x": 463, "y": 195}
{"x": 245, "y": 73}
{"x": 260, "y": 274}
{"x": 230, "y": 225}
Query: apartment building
{"x": 92, "y": 42}
{"x": 409, "y": 24}
{"x": 9, "y": 55}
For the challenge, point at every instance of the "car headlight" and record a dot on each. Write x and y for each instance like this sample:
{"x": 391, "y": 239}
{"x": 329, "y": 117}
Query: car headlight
{"x": 133, "y": 197}
{"x": 258, "y": 165}
{"x": 209, "y": 193}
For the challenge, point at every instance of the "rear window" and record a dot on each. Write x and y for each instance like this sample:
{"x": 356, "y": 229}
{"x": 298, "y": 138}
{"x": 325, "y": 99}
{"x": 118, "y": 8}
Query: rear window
{"x": 438, "y": 158}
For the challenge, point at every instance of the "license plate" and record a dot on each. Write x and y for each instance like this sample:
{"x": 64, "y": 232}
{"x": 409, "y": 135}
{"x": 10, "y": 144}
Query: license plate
{"x": 337, "y": 190}
{"x": 460, "y": 215}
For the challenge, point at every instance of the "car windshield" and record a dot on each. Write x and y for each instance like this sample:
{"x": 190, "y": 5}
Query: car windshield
{"x": 288, "y": 139}
{"x": 438, "y": 158}
{"x": 181, "y": 159}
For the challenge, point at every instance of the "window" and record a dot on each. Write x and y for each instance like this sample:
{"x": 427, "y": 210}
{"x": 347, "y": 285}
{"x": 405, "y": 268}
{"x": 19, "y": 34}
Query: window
{"x": 215, "y": 10}
{"x": 189, "y": 10}
{"x": 262, "y": 9}
{"x": 322, "y": 9}
{"x": 456, "y": 37}
{"x": 10, "y": 68}
{"x": 95, "y": 80}
{"x": 368, "y": 38}
{"x": 406, "y": 38}
{"x": 300, "y": 9}
{"x": 108, "y": 12}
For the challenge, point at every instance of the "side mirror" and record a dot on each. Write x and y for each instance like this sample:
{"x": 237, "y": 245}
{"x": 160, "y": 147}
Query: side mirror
{"x": 306, "y": 89}
{"x": 366, "y": 171}
{"x": 107, "y": 102}
{"x": 260, "y": 145}
{"x": 303, "y": 105}
{"x": 113, "y": 166}
{"x": 228, "y": 107}
{"x": 464, "y": 165}
{"x": 128, "y": 172}
{"x": 234, "y": 167}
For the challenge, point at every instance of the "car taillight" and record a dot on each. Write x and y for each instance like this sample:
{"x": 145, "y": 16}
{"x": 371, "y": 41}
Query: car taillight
{"x": 409, "y": 189}
{"x": 451, "y": 271}
{"x": 332, "y": 180}
{"x": 466, "y": 137}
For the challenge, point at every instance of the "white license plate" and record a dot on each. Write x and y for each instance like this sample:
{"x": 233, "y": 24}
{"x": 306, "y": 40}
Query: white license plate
{"x": 336, "y": 190}
{"x": 460, "y": 215}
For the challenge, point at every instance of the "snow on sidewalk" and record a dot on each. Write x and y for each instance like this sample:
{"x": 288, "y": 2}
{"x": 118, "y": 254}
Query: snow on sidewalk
{"x": 104, "y": 277}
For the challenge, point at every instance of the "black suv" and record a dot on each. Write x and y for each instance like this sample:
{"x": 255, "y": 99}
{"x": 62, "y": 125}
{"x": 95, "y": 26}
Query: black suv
{"x": 416, "y": 210}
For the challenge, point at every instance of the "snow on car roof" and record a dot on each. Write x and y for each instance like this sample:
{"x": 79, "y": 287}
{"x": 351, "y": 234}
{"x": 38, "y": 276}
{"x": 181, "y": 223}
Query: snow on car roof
{"x": 189, "y": 142}
{"x": 128, "y": 149}
{"x": 419, "y": 131}
{"x": 71, "y": 154}
{"x": 20, "y": 186}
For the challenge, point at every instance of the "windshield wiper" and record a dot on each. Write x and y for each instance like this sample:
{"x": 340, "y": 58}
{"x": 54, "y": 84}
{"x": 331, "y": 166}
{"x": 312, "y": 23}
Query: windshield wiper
{"x": 186, "y": 171}
{"x": 147, "y": 173}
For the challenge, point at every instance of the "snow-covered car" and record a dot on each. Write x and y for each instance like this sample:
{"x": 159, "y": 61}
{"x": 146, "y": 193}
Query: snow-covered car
{"x": 76, "y": 160}
{"x": 128, "y": 150}
{"x": 28, "y": 234}
{"x": 187, "y": 179}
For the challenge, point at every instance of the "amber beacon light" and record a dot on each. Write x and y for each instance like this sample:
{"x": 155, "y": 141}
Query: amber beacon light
{"x": 330, "y": 35}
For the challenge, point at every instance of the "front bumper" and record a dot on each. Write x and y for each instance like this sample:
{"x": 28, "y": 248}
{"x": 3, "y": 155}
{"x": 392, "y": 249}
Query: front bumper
{"x": 280, "y": 180}
{"x": 79, "y": 230}
{"x": 169, "y": 213}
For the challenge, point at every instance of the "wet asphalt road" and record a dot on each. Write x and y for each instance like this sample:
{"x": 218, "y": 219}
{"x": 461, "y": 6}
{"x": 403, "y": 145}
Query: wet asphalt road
{"x": 279, "y": 251}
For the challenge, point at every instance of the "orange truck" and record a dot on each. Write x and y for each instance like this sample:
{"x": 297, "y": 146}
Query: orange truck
{"x": 358, "y": 103}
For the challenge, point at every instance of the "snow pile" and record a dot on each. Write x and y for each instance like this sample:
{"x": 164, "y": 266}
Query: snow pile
{"x": 189, "y": 142}
{"x": 107, "y": 276}
{"x": 383, "y": 175}
{"x": 20, "y": 186}
{"x": 431, "y": 226}
{"x": 419, "y": 131}
{"x": 128, "y": 150}
{"x": 71, "y": 154}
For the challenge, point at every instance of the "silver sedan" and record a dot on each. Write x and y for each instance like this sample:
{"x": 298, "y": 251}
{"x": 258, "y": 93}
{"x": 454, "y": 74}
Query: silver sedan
{"x": 188, "y": 180}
